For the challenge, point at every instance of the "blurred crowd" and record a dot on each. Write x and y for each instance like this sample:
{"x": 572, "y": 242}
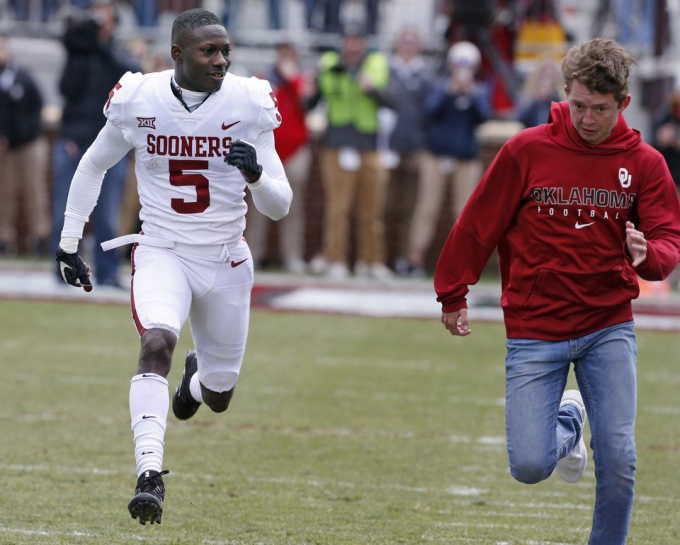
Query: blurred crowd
{"x": 395, "y": 137}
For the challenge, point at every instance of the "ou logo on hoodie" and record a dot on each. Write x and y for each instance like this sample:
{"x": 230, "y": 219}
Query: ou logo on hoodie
{"x": 625, "y": 178}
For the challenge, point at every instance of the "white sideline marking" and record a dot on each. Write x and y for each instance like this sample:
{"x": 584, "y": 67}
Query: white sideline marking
{"x": 656, "y": 323}
{"x": 361, "y": 302}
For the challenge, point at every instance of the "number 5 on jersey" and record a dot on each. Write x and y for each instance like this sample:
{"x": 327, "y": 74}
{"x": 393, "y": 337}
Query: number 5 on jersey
{"x": 178, "y": 177}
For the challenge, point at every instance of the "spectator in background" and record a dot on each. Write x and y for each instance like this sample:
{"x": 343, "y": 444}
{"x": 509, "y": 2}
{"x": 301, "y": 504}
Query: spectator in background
{"x": 635, "y": 24}
{"x": 667, "y": 141}
{"x": 492, "y": 25}
{"x": 409, "y": 81}
{"x": 146, "y": 13}
{"x": 26, "y": 10}
{"x": 94, "y": 65}
{"x": 291, "y": 88}
{"x": 667, "y": 134}
{"x": 275, "y": 15}
{"x": 332, "y": 16}
{"x": 23, "y": 168}
{"x": 353, "y": 84}
{"x": 540, "y": 90}
{"x": 453, "y": 110}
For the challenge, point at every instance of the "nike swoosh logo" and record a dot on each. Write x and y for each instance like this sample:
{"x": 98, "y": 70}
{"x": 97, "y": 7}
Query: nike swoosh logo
{"x": 147, "y": 452}
{"x": 63, "y": 266}
{"x": 145, "y": 417}
{"x": 225, "y": 127}
{"x": 237, "y": 263}
{"x": 582, "y": 225}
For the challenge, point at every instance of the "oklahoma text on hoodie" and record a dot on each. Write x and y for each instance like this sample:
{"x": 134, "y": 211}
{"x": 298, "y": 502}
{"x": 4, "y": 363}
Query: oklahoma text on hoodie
{"x": 556, "y": 208}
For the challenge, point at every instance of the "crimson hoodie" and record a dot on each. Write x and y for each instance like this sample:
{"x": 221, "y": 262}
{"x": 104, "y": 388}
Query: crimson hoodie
{"x": 557, "y": 207}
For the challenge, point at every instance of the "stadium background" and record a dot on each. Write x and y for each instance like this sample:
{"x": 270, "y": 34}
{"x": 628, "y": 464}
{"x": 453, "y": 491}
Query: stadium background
{"x": 34, "y": 27}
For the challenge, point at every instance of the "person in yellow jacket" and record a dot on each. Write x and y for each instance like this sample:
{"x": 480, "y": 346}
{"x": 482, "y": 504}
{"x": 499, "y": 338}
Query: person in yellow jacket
{"x": 353, "y": 85}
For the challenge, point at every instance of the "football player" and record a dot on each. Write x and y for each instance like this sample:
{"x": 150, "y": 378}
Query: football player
{"x": 201, "y": 136}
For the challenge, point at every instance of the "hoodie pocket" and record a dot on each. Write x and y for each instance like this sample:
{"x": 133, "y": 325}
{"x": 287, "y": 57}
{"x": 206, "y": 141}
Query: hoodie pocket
{"x": 557, "y": 293}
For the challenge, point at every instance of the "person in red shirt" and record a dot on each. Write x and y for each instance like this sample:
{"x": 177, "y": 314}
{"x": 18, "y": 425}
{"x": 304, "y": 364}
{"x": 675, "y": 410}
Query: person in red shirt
{"x": 578, "y": 208}
{"x": 291, "y": 87}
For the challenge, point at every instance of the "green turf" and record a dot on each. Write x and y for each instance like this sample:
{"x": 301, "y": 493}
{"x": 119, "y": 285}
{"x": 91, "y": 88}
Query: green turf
{"x": 343, "y": 430}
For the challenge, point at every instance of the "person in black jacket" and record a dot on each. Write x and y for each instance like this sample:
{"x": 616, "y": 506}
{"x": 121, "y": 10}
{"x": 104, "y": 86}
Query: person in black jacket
{"x": 23, "y": 174}
{"x": 94, "y": 65}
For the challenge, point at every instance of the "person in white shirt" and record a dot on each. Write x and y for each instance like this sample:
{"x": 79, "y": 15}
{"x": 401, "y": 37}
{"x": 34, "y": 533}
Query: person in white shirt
{"x": 201, "y": 136}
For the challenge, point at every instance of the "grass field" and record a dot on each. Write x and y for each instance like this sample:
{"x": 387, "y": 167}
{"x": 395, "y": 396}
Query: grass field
{"x": 343, "y": 430}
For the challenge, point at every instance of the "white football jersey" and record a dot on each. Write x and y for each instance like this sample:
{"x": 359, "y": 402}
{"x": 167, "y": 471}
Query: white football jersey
{"x": 187, "y": 192}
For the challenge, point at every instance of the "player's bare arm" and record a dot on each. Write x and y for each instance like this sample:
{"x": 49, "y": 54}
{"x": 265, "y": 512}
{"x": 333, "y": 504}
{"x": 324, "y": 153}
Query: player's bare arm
{"x": 457, "y": 322}
{"x": 637, "y": 244}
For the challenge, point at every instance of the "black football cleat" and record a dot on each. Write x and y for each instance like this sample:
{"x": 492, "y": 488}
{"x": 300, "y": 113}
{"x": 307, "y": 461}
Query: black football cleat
{"x": 183, "y": 405}
{"x": 147, "y": 504}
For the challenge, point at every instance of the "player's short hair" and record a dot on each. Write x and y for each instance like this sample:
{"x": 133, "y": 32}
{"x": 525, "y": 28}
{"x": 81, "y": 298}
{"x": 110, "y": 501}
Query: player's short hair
{"x": 191, "y": 19}
{"x": 603, "y": 66}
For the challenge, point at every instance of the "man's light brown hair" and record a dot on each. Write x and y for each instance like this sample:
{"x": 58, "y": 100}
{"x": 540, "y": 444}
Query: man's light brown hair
{"x": 603, "y": 66}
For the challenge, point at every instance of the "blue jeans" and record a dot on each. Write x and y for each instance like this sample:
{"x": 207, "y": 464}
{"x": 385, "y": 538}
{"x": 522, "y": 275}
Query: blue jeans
{"x": 105, "y": 215}
{"x": 539, "y": 433}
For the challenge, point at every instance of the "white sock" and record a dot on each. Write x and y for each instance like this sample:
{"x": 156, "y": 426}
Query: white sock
{"x": 149, "y": 403}
{"x": 195, "y": 388}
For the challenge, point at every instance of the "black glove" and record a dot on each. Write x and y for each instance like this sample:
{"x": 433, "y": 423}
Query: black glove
{"x": 244, "y": 157}
{"x": 73, "y": 270}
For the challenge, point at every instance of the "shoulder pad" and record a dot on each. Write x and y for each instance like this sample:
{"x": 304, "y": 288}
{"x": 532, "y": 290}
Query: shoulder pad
{"x": 121, "y": 92}
{"x": 263, "y": 96}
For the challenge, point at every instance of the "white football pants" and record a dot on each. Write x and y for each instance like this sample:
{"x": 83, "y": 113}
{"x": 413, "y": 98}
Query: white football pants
{"x": 169, "y": 285}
